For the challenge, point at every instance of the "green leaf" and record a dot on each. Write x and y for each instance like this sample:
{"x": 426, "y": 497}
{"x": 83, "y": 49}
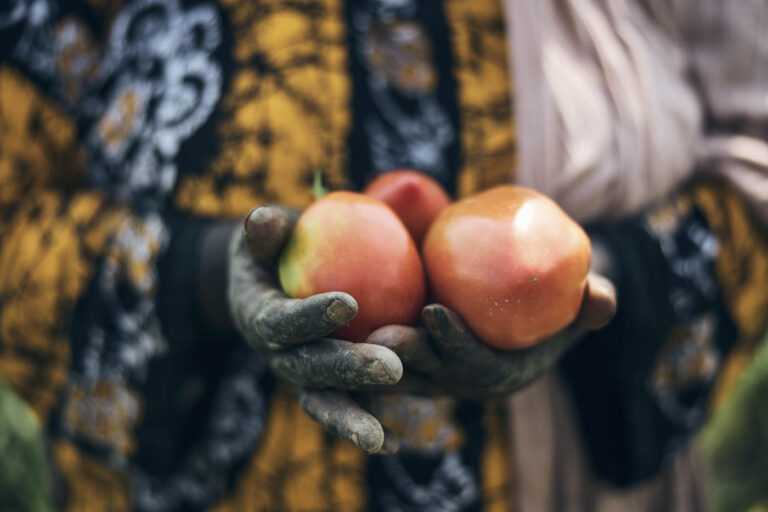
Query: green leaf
{"x": 317, "y": 185}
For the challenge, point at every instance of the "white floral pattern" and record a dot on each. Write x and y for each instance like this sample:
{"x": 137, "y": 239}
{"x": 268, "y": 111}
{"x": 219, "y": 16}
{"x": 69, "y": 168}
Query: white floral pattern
{"x": 151, "y": 87}
{"x": 160, "y": 84}
{"x": 397, "y": 55}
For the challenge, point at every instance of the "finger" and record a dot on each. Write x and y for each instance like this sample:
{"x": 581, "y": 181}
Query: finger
{"x": 453, "y": 339}
{"x": 267, "y": 318}
{"x": 410, "y": 344}
{"x": 493, "y": 371}
{"x": 340, "y": 415}
{"x": 599, "y": 303}
{"x": 337, "y": 364}
{"x": 266, "y": 229}
{"x": 281, "y": 322}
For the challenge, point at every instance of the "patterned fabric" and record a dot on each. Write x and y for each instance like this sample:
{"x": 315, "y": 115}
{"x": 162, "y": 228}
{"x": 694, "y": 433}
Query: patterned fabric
{"x": 283, "y": 113}
{"x": 691, "y": 286}
{"x": 642, "y": 385}
{"x": 405, "y": 93}
{"x": 433, "y": 469}
{"x": 116, "y": 118}
{"x": 298, "y": 466}
{"x": 741, "y": 269}
{"x": 691, "y": 354}
{"x": 488, "y": 137}
{"x": 123, "y": 125}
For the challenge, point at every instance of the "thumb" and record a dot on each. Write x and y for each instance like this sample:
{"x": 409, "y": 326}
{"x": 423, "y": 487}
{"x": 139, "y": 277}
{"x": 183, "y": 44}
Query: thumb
{"x": 267, "y": 228}
{"x": 599, "y": 304}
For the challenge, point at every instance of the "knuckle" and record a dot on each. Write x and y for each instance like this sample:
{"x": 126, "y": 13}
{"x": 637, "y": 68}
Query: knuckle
{"x": 344, "y": 367}
{"x": 262, "y": 326}
{"x": 347, "y": 419}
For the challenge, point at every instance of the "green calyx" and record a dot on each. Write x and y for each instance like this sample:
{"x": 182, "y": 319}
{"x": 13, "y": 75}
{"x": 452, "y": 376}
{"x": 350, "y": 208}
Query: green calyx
{"x": 318, "y": 189}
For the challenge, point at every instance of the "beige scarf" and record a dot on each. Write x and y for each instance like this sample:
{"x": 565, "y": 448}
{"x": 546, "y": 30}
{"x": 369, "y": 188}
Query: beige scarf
{"x": 611, "y": 96}
{"x": 610, "y": 102}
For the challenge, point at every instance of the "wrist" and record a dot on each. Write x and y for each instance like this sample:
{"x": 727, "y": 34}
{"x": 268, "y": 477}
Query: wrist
{"x": 212, "y": 279}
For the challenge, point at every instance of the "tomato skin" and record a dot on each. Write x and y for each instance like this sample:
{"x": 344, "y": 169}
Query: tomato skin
{"x": 511, "y": 263}
{"x": 415, "y": 197}
{"x": 353, "y": 243}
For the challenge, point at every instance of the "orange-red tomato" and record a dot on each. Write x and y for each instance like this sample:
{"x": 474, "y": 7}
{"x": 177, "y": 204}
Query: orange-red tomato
{"x": 353, "y": 243}
{"x": 416, "y": 198}
{"x": 510, "y": 262}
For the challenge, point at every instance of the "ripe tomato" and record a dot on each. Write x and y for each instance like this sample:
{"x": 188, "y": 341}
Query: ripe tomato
{"x": 416, "y": 198}
{"x": 353, "y": 243}
{"x": 510, "y": 262}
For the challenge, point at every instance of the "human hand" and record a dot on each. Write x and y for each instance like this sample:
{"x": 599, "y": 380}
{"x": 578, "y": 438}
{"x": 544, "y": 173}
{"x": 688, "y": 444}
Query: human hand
{"x": 291, "y": 334}
{"x": 444, "y": 357}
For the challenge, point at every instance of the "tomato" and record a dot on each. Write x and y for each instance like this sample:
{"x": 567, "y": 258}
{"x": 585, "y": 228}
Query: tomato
{"x": 510, "y": 262}
{"x": 354, "y": 243}
{"x": 415, "y": 197}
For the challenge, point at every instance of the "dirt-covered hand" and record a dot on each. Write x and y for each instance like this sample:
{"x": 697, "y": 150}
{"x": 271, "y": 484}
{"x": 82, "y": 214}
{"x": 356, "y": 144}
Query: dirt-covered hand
{"x": 291, "y": 335}
{"x": 444, "y": 357}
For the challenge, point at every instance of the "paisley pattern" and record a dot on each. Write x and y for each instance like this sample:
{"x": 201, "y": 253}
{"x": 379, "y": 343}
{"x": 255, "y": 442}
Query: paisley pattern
{"x": 688, "y": 361}
{"x": 160, "y": 85}
{"x": 284, "y": 114}
{"x": 406, "y": 119}
{"x": 153, "y": 86}
{"x": 741, "y": 267}
{"x": 138, "y": 89}
{"x": 50, "y": 240}
{"x": 716, "y": 250}
{"x": 485, "y": 86}
{"x": 640, "y": 399}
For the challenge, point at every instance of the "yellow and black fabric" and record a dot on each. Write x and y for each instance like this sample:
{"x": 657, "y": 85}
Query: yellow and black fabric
{"x": 691, "y": 284}
{"x": 126, "y": 127}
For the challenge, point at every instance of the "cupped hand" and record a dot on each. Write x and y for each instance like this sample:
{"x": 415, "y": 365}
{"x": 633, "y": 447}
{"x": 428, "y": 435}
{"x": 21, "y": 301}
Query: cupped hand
{"x": 444, "y": 357}
{"x": 291, "y": 335}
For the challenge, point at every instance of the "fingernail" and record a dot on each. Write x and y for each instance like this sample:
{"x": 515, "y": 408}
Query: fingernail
{"x": 436, "y": 320}
{"x": 380, "y": 373}
{"x": 250, "y": 214}
{"x": 338, "y": 312}
{"x": 367, "y": 437}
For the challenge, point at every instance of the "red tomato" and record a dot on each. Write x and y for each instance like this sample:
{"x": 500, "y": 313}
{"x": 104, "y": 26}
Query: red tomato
{"x": 511, "y": 263}
{"x": 416, "y": 198}
{"x": 353, "y": 243}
